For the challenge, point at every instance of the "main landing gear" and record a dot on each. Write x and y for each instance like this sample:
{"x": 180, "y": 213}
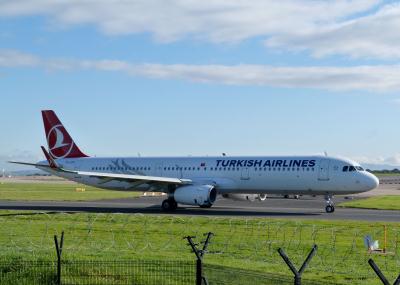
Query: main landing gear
{"x": 169, "y": 205}
{"x": 330, "y": 207}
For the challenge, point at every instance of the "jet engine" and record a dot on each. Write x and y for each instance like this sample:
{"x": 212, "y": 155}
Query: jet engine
{"x": 245, "y": 197}
{"x": 196, "y": 195}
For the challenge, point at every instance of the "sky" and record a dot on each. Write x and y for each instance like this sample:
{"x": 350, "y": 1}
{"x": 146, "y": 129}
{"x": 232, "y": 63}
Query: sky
{"x": 173, "y": 77}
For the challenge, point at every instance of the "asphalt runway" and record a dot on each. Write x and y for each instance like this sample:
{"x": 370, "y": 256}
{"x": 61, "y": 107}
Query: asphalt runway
{"x": 304, "y": 208}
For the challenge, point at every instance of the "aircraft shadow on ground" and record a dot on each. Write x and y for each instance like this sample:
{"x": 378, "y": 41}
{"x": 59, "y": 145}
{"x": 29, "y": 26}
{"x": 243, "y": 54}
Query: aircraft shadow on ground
{"x": 152, "y": 210}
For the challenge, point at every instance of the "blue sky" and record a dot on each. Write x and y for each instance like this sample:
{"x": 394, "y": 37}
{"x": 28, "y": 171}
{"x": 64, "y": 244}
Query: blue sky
{"x": 187, "y": 78}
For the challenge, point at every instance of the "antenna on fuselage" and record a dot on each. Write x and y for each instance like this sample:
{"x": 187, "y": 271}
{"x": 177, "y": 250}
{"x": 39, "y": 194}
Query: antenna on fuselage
{"x": 326, "y": 153}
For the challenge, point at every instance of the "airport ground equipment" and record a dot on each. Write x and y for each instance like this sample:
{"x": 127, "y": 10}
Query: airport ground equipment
{"x": 297, "y": 274}
{"x": 200, "y": 279}
{"x": 381, "y": 275}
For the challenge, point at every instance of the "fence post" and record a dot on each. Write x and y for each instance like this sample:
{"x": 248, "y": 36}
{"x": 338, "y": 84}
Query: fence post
{"x": 298, "y": 274}
{"x": 200, "y": 279}
{"x": 59, "y": 248}
{"x": 380, "y": 274}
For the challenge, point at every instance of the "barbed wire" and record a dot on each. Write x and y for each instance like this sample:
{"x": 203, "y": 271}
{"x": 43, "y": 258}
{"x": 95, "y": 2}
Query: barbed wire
{"x": 250, "y": 241}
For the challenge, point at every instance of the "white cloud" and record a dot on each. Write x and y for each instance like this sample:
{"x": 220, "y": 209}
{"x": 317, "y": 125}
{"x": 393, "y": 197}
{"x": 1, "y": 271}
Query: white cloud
{"x": 393, "y": 160}
{"x": 372, "y": 36}
{"x": 379, "y": 78}
{"x": 11, "y": 58}
{"x": 358, "y": 28}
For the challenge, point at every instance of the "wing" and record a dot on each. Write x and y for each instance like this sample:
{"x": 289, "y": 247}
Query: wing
{"x": 30, "y": 164}
{"x": 132, "y": 177}
{"x": 154, "y": 183}
{"x": 134, "y": 180}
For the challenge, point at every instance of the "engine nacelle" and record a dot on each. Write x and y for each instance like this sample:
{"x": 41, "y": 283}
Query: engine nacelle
{"x": 196, "y": 195}
{"x": 245, "y": 197}
{"x": 262, "y": 197}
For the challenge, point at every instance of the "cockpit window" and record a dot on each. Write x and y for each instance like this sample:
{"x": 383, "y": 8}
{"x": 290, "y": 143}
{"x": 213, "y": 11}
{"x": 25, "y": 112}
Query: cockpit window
{"x": 350, "y": 168}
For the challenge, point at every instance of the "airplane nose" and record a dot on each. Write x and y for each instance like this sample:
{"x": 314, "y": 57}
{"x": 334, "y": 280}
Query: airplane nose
{"x": 373, "y": 181}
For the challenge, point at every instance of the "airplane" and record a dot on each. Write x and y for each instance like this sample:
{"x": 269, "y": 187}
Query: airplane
{"x": 196, "y": 181}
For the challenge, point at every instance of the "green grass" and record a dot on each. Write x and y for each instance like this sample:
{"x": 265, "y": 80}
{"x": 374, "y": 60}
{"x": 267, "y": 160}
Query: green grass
{"x": 248, "y": 244}
{"x": 378, "y": 174}
{"x": 58, "y": 192}
{"x": 379, "y": 202}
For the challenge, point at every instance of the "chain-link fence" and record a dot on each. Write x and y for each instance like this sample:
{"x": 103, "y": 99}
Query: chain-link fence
{"x": 138, "y": 272}
{"x": 85, "y": 272}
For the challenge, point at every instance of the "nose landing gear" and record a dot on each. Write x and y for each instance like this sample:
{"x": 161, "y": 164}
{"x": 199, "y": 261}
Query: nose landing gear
{"x": 330, "y": 207}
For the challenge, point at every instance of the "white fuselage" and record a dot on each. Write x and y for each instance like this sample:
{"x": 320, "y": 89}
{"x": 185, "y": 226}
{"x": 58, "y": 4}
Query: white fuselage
{"x": 314, "y": 175}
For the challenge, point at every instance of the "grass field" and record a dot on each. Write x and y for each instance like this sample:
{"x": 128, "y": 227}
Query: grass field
{"x": 58, "y": 192}
{"x": 246, "y": 244}
{"x": 379, "y": 202}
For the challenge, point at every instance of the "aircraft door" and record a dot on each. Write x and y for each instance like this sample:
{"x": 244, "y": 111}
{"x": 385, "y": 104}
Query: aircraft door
{"x": 323, "y": 171}
{"x": 245, "y": 174}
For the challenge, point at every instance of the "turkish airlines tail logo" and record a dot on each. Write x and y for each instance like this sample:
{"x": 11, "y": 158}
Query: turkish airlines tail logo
{"x": 60, "y": 143}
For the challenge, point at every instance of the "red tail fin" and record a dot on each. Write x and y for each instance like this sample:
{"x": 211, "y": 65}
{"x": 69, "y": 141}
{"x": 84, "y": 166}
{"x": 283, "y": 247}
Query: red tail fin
{"x": 60, "y": 143}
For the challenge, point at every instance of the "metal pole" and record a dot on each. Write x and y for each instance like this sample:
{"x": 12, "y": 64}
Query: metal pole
{"x": 385, "y": 239}
{"x": 199, "y": 271}
{"x": 298, "y": 274}
{"x": 380, "y": 274}
{"x": 200, "y": 279}
{"x": 59, "y": 248}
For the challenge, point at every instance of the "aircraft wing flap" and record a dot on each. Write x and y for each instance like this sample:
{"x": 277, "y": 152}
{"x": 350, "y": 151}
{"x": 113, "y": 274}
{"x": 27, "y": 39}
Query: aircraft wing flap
{"x": 132, "y": 177}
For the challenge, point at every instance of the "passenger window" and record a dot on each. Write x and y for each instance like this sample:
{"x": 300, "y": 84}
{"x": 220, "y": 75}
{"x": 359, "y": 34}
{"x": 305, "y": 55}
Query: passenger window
{"x": 345, "y": 168}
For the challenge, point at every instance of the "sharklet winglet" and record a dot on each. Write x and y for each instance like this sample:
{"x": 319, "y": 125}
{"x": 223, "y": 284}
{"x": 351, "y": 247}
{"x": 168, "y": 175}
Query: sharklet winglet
{"x": 52, "y": 162}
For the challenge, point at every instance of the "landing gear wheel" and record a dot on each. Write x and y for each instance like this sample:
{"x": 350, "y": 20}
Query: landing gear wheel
{"x": 169, "y": 205}
{"x": 206, "y": 206}
{"x": 330, "y": 209}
